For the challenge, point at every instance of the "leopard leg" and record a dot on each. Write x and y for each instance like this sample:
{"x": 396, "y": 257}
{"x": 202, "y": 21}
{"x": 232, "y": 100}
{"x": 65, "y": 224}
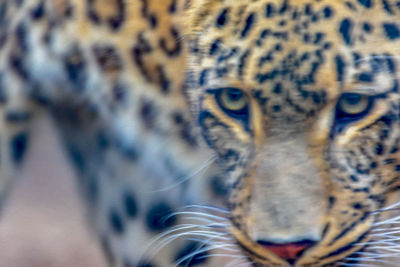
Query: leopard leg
{"x": 16, "y": 114}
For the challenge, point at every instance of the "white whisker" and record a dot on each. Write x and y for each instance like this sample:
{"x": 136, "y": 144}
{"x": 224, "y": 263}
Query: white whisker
{"x": 356, "y": 264}
{"x": 205, "y": 165}
{"x": 206, "y": 207}
{"x": 368, "y": 260}
{"x": 198, "y": 251}
{"x": 206, "y": 234}
{"x": 171, "y": 231}
{"x": 385, "y": 229}
{"x": 199, "y": 214}
{"x": 209, "y": 223}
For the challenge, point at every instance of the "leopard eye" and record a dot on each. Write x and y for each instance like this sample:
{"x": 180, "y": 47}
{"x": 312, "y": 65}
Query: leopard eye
{"x": 353, "y": 105}
{"x": 233, "y": 101}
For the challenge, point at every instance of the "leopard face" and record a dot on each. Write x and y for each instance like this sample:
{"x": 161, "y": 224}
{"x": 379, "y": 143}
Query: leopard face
{"x": 300, "y": 101}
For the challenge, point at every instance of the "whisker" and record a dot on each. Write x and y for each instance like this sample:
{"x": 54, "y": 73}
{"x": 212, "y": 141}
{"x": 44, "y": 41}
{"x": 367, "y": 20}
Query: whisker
{"x": 394, "y": 220}
{"x": 392, "y": 207}
{"x": 225, "y": 255}
{"x": 246, "y": 263}
{"x": 375, "y": 243}
{"x": 386, "y": 249}
{"x": 356, "y": 264}
{"x": 201, "y": 249}
{"x": 207, "y": 234}
{"x": 210, "y": 224}
{"x": 207, "y": 215}
{"x": 217, "y": 243}
{"x": 234, "y": 262}
{"x": 205, "y": 165}
{"x": 385, "y": 237}
{"x": 377, "y": 255}
{"x": 207, "y": 207}
{"x": 369, "y": 260}
{"x": 385, "y": 229}
{"x": 171, "y": 231}
{"x": 385, "y": 234}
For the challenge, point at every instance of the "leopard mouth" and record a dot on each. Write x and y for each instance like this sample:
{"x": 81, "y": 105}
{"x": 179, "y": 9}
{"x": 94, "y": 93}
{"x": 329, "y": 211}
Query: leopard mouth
{"x": 264, "y": 256}
{"x": 258, "y": 254}
{"x": 258, "y": 259}
{"x": 261, "y": 259}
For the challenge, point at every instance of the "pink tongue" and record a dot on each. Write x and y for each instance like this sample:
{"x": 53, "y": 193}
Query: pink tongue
{"x": 286, "y": 252}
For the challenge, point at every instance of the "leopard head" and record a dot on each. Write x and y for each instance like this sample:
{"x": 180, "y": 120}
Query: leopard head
{"x": 300, "y": 101}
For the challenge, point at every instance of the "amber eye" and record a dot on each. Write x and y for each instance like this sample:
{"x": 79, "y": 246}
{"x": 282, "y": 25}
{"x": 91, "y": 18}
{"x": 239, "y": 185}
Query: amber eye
{"x": 353, "y": 105}
{"x": 233, "y": 101}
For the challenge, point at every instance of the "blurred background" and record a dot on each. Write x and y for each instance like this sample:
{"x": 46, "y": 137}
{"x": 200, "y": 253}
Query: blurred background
{"x": 43, "y": 224}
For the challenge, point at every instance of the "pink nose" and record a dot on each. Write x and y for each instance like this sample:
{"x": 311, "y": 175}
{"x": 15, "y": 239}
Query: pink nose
{"x": 290, "y": 252}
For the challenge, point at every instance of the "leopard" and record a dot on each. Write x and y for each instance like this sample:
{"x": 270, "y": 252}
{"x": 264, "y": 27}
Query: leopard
{"x": 215, "y": 132}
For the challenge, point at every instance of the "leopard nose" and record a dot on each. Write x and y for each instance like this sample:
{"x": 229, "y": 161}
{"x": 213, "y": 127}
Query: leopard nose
{"x": 290, "y": 251}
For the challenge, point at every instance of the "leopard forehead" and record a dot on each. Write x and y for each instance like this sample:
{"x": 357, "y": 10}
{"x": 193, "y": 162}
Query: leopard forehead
{"x": 295, "y": 56}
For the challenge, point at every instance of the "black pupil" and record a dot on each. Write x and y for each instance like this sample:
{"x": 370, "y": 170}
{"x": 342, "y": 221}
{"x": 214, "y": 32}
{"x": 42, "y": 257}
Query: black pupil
{"x": 234, "y": 95}
{"x": 352, "y": 99}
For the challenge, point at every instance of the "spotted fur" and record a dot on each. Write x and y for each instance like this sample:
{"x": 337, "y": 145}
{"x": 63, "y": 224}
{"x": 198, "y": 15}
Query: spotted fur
{"x": 133, "y": 87}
